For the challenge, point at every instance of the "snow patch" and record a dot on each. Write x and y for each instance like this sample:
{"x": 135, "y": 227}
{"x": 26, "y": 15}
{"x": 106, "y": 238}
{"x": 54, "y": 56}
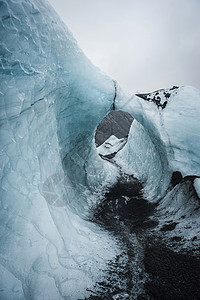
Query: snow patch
{"x": 111, "y": 145}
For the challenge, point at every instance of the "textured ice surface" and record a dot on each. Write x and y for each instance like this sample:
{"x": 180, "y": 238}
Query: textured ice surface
{"x": 162, "y": 141}
{"x": 180, "y": 209}
{"x": 141, "y": 157}
{"x": 197, "y": 186}
{"x": 169, "y": 138}
{"x": 52, "y": 99}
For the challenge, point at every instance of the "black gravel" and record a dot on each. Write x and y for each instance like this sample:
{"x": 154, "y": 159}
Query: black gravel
{"x": 145, "y": 268}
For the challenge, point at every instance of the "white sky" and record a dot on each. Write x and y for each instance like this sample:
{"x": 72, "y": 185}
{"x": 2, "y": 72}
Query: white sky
{"x": 143, "y": 44}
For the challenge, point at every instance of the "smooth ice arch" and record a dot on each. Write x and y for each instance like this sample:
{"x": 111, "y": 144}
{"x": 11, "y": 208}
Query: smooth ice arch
{"x": 52, "y": 99}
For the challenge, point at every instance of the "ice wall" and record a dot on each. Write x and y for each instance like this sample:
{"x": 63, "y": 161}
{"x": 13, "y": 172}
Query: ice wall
{"x": 52, "y": 99}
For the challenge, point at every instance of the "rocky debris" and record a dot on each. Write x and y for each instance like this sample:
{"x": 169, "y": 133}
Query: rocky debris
{"x": 173, "y": 276}
{"x": 147, "y": 267}
{"x": 169, "y": 227}
{"x": 160, "y": 97}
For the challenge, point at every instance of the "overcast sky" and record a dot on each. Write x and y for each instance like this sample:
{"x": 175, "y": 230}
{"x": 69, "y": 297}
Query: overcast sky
{"x": 143, "y": 44}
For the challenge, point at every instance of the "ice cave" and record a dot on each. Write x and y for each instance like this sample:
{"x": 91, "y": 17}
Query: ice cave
{"x": 77, "y": 222}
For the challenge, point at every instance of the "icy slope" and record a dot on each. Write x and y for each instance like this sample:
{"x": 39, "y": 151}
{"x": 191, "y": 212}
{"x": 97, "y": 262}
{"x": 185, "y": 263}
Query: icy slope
{"x": 163, "y": 152}
{"x": 52, "y": 99}
{"x": 162, "y": 139}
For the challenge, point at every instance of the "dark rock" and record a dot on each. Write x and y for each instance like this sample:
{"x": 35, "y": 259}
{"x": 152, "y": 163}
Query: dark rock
{"x": 169, "y": 227}
{"x": 167, "y": 95}
{"x": 109, "y": 156}
{"x": 174, "y": 88}
{"x": 156, "y": 96}
{"x": 176, "y": 238}
{"x": 176, "y": 178}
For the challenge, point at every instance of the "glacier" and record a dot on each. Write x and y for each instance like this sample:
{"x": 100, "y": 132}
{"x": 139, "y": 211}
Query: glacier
{"x": 170, "y": 142}
{"x": 52, "y": 100}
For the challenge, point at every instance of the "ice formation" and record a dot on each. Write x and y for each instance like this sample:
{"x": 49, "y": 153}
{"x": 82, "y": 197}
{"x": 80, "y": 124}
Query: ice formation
{"x": 52, "y": 99}
{"x": 197, "y": 186}
{"x": 164, "y": 141}
{"x": 168, "y": 135}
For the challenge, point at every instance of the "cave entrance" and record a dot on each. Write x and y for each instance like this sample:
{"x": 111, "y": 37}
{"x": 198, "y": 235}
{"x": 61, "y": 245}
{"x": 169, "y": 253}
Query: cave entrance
{"x": 112, "y": 133}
